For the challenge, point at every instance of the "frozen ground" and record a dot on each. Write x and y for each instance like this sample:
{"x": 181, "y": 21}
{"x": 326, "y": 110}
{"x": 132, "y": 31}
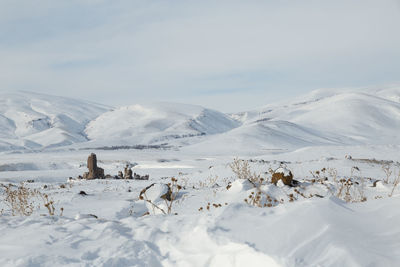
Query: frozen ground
{"x": 320, "y": 222}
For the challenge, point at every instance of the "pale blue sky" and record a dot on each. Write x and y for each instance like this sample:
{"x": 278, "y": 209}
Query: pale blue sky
{"x": 228, "y": 55}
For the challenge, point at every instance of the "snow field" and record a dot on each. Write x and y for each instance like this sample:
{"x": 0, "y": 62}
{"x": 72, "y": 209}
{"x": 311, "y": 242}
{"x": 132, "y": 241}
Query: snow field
{"x": 304, "y": 232}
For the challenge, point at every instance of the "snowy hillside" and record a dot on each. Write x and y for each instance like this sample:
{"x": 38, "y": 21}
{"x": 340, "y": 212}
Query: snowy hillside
{"x": 33, "y": 121}
{"x": 157, "y": 123}
{"x": 322, "y": 117}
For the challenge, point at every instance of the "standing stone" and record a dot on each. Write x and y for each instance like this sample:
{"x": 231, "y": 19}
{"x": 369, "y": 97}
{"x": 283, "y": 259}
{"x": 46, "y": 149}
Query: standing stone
{"x": 94, "y": 171}
{"x": 92, "y": 166}
{"x": 128, "y": 173}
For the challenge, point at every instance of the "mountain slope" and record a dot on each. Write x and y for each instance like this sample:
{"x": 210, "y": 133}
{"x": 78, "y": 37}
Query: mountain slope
{"x": 322, "y": 117}
{"x": 29, "y": 120}
{"x": 158, "y": 123}
{"x": 353, "y": 117}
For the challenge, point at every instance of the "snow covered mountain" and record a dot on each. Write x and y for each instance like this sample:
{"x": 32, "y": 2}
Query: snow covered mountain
{"x": 322, "y": 117}
{"x": 158, "y": 123}
{"x": 34, "y": 121}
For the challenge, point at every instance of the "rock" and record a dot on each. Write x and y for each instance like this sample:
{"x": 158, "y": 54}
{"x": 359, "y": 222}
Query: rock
{"x": 167, "y": 195}
{"x": 138, "y": 177}
{"x": 94, "y": 171}
{"x": 377, "y": 183}
{"x": 284, "y": 175}
{"x": 128, "y": 173}
{"x": 85, "y": 216}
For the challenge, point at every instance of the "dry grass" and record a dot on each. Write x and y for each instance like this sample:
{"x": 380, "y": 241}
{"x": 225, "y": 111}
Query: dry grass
{"x": 256, "y": 198}
{"x": 170, "y": 197}
{"x": 21, "y": 200}
{"x": 241, "y": 168}
{"x": 388, "y": 172}
{"x": 396, "y": 182}
{"x": 349, "y": 189}
{"x": 209, "y": 182}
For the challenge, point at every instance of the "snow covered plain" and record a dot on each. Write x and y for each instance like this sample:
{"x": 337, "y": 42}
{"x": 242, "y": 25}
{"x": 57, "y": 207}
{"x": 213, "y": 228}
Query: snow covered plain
{"x": 47, "y": 139}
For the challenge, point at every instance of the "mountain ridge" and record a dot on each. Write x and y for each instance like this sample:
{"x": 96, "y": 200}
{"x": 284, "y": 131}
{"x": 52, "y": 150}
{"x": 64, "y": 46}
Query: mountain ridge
{"x": 322, "y": 117}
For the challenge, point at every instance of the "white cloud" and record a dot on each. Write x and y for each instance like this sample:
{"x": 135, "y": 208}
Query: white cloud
{"x": 246, "y": 52}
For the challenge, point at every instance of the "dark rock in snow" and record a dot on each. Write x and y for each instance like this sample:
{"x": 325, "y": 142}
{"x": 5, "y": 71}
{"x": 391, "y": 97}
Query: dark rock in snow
{"x": 94, "y": 171}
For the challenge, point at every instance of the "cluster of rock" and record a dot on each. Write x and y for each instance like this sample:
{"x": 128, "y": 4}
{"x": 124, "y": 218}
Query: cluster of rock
{"x": 129, "y": 175}
{"x": 96, "y": 172}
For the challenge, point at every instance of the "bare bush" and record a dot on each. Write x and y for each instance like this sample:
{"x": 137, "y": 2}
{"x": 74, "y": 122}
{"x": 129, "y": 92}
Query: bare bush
{"x": 396, "y": 182}
{"x": 350, "y": 189}
{"x": 388, "y": 172}
{"x": 170, "y": 197}
{"x": 241, "y": 168}
{"x": 21, "y": 200}
{"x": 257, "y": 197}
{"x": 209, "y": 182}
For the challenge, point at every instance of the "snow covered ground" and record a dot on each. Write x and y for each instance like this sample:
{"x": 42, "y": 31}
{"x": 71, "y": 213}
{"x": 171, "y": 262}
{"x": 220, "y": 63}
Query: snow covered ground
{"x": 339, "y": 146}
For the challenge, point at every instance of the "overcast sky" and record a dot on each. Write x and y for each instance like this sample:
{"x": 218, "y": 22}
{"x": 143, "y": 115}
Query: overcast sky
{"x": 229, "y": 55}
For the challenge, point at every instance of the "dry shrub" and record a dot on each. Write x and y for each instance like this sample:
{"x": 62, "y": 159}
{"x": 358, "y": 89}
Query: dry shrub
{"x": 257, "y": 197}
{"x": 170, "y": 197}
{"x": 209, "y": 206}
{"x": 388, "y": 172}
{"x": 396, "y": 182}
{"x": 209, "y": 182}
{"x": 21, "y": 200}
{"x": 387, "y": 169}
{"x": 261, "y": 200}
{"x": 49, "y": 204}
{"x": 241, "y": 168}
{"x": 351, "y": 189}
